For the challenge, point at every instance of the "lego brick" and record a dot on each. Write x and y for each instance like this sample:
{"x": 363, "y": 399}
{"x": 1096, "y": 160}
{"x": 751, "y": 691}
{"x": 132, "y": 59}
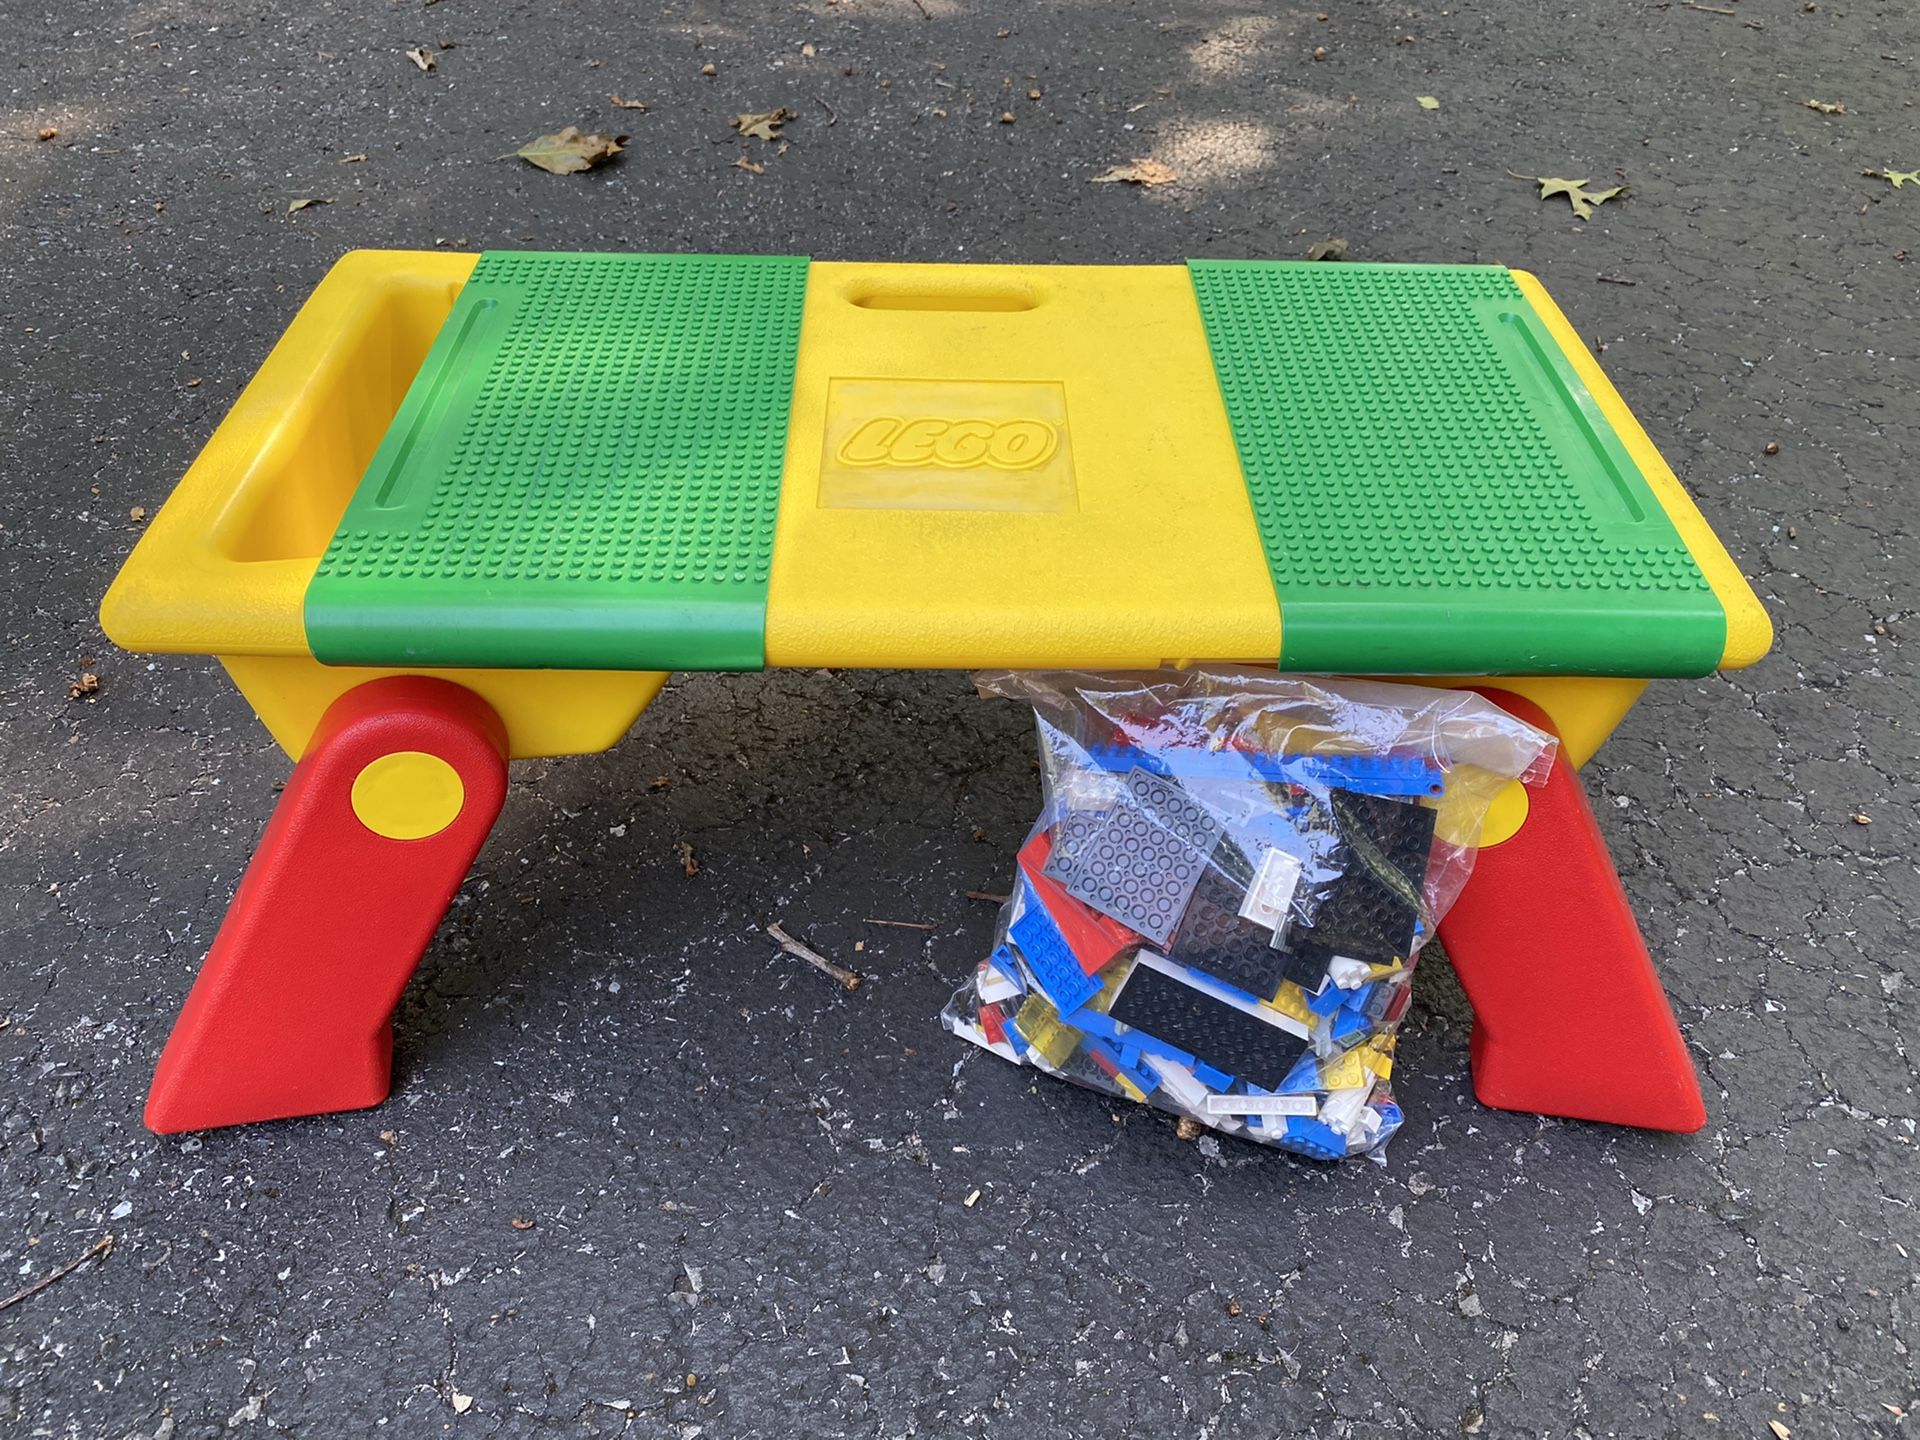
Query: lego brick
{"x": 1372, "y": 913}
{"x": 1342, "y": 1109}
{"x": 1052, "y": 960}
{"x": 1094, "y": 938}
{"x": 1038, "y": 1025}
{"x": 993, "y": 1020}
{"x": 1311, "y": 1137}
{"x": 1250, "y": 1042}
{"x": 1407, "y": 775}
{"x": 1262, "y": 1104}
{"x": 1213, "y": 937}
{"x": 1269, "y": 899}
{"x": 1140, "y": 867}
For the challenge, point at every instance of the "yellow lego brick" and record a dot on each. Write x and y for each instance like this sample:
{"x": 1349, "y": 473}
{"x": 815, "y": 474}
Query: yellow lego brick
{"x": 1344, "y": 1073}
{"x": 1041, "y": 1028}
{"x": 1290, "y": 1000}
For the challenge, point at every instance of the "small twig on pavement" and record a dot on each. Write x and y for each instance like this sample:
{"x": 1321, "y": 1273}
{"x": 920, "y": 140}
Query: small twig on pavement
{"x": 902, "y": 924}
{"x": 983, "y": 895}
{"x": 100, "y": 1249}
{"x": 814, "y": 958}
{"x": 832, "y": 119}
{"x": 1615, "y": 280}
{"x": 1707, "y": 9}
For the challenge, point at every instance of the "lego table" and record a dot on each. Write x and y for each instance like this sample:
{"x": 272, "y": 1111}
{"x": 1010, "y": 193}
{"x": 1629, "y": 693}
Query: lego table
{"x": 474, "y": 508}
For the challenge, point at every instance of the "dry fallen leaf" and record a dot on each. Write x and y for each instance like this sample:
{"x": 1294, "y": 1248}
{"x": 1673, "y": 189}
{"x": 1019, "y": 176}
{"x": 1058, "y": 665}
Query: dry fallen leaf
{"x": 420, "y": 57}
{"x": 1188, "y": 1128}
{"x": 1139, "y": 172}
{"x": 85, "y": 688}
{"x": 1895, "y": 178}
{"x": 742, "y": 163}
{"x": 522, "y": 1224}
{"x": 303, "y": 203}
{"x": 353, "y": 159}
{"x": 1334, "y": 248}
{"x": 1582, "y": 199}
{"x": 568, "y": 151}
{"x": 1828, "y": 107}
{"x": 763, "y": 127}
{"x": 137, "y": 514}
{"x": 619, "y": 104}
{"x": 689, "y": 865}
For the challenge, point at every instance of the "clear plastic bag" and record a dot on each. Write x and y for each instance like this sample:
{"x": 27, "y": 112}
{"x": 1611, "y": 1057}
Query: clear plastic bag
{"x": 1220, "y": 907}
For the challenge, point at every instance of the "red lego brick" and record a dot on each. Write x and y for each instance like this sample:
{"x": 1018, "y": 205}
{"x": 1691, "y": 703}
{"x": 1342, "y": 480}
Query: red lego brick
{"x": 1094, "y": 938}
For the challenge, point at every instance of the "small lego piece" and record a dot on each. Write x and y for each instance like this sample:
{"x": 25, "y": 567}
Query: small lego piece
{"x": 1342, "y": 1109}
{"x": 993, "y": 1020}
{"x": 998, "y": 979}
{"x": 1311, "y": 1137}
{"x": 1349, "y": 1028}
{"x": 1181, "y": 1085}
{"x": 1038, "y": 1025}
{"x": 1270, "y": 896}
{"x": 1348, "y": 973}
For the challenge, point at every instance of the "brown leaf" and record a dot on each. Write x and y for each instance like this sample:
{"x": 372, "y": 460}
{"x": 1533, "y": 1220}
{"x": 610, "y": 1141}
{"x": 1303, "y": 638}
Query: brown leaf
{"x": 85, "y": 688}
{"x": 420, "y": 57}
{"x": 1139, "y": 172}
{"x": 763, "y": 127}
{"x": 519, "y": 1223}
{"x": 1828, "y": 107}
{"x": 304, "y": 203}
{"x": 742, "y": 163}
{"x": 619, "y": 104}
{"x": 568, "y": 151}
{"x": 689, "y": 865}
{"x": 1188, "y": 1128}
{"x": 48, "y": 132}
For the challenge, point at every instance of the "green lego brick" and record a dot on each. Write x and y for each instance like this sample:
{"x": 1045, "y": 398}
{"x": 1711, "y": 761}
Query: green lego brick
{"x": 584, "y": 474}
{"x": 1436, "y": 489}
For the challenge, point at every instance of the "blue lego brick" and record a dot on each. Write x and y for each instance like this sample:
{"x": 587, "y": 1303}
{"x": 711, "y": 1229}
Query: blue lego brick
{"x": 1369, "y": 774}
{"x": 1140, "y": 1075}
{"x": 1356, "y": 999}
{"x": 1002, "y": 960}
{"x": 1211, "y": 1078}
{"x": 1311, "y": 1137}
{"x": 1304, "y": 1078}
{"x": 1051, "y": 959}
{"x": 1132, "y": 1043}
{"x": 1350, "y": 1028}
{"x": 1391, "y": 1118}
{"x": 1330, "y": 999}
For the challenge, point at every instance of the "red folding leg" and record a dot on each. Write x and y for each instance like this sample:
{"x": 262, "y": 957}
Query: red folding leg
{"x": 291, "y": 1013}
{"x": 1569, "y": 1015}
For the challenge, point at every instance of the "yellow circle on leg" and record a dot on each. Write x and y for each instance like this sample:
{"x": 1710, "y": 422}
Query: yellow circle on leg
{"x": 1505, "y": 815}
{"x": 408, "y": 795}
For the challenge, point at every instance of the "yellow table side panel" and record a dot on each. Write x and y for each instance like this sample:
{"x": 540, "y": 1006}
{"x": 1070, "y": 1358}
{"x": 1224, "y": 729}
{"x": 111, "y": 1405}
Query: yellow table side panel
{"x": 1067, "y": 419}
{"x": 1749, "y": 631}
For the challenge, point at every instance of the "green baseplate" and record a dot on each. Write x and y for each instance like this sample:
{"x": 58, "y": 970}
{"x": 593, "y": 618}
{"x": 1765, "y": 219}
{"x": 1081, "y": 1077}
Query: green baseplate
{"x": 1436, "y": 489}
{"x": 586, "y": 473}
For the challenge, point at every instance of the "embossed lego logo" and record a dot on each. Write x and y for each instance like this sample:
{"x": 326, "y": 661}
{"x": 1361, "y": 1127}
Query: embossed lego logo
{"x": 955, "y": 444}
{"x": 947, "y": 445}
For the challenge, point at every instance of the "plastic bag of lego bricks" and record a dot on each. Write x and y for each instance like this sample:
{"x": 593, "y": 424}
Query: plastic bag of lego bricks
{"x": 1233, "y": 874}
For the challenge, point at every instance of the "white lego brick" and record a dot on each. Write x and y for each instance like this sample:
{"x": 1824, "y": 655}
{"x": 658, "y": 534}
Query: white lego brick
{"x": 993, "y": 986}
{"x": 1348, "y": 973}
{"x": 1342, "y": 1109}
{"x": 1271, "y": 893}
{"x": 1262, "y": 1105}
